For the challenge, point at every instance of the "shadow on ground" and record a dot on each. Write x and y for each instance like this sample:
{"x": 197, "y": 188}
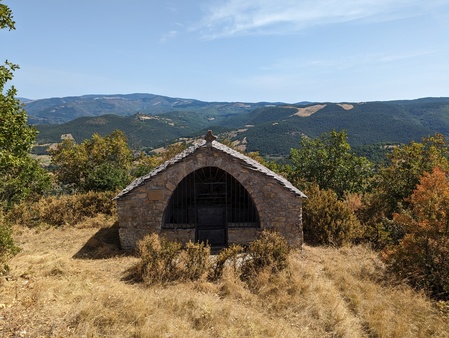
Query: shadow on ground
{"x": 103, "y": 244}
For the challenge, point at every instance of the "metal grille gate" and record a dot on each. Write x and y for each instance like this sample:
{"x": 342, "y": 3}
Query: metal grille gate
{"x": 211, "y": 201}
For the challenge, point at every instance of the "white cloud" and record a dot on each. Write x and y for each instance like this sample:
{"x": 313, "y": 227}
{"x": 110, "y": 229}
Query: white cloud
{"x": 404, "y": 56}
{"x": 170, "y": 35}
{"x": 237, "y": 17}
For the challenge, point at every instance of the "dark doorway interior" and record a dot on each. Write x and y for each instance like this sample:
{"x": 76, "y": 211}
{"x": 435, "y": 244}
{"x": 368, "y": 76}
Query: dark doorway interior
{"x": 210, "y": 200}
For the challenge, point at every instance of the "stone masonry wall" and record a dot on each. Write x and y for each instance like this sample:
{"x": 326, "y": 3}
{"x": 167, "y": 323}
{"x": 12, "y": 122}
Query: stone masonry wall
{"x": 141, "y": 211}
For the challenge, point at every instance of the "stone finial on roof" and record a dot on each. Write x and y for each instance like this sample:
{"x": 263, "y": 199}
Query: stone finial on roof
{"x": 209, "y": 138}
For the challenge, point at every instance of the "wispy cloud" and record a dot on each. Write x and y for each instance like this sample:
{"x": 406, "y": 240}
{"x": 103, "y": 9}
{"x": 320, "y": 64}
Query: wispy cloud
{"x": 170, "y": 35}
{"x": 302, "y": 67}
{"x": 236, "y": 17}
{"x": 404, "y": 56}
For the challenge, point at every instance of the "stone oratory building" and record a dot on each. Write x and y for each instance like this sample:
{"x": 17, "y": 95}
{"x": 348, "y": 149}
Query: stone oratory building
{"x": 210, "y": 192}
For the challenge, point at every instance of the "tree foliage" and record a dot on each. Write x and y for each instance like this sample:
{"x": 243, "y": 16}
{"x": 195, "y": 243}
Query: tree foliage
{"x": 327, "y": 161}
{"x": 328, "y": 220}
{"x": 422, "y": 256}
{"x": 397, "y": 180}
{"x": 99, "y": 164}
{"x": 6, "y": 19}
{"x": 21, "y": 175}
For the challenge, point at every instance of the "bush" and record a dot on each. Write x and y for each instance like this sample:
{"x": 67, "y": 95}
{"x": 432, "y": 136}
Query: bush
{"x": 423, "y": 263}
{"x": 195, "y": 259}
{"x": 62, "y": 210}
{"x": 163, "y": 261}
{"x": 327, "y": 220}
{"x": 228, "y": 255}
{"x": 270, "y": 251}
{"x": 7, "y": 246}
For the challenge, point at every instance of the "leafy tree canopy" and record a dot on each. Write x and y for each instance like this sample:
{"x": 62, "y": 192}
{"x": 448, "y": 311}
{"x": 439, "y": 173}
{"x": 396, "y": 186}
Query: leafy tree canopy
{"x": 99, "y": 164}
{"x": 6, "y": 19}
{"x": 422, "y": 256}
{"x": 21, "y": 176}
{"x": 398, "y": 179}
{"x": 327, "y": 161}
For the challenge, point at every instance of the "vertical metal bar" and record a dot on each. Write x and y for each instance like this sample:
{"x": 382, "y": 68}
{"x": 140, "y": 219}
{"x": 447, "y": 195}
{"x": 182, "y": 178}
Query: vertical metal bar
{"x": 195, "y": 207}
{"x": 237, "y": 189}
{"x": 226, "y": 206}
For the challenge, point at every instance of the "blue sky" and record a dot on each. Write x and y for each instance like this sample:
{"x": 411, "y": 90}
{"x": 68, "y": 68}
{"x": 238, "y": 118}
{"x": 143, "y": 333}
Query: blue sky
{"x": 230, "y": 50}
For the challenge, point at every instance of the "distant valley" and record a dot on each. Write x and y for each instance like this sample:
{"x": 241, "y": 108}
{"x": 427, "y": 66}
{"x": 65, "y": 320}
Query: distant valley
{"x": 271, "y": 128}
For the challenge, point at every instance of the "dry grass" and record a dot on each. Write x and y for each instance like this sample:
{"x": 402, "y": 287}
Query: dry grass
{"x": 325, "y": 293}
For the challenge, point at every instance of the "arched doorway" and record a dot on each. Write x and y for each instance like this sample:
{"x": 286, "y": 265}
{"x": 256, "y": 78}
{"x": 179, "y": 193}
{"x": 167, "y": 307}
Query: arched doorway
{"x": 210, "y": 200}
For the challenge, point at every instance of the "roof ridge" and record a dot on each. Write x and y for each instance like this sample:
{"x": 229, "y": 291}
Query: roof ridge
{"x": 216, "y": 145}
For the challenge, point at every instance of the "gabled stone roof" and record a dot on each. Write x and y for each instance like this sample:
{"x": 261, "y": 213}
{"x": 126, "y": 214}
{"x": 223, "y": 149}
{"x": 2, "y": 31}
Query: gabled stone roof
{"x": 247, "y": 161}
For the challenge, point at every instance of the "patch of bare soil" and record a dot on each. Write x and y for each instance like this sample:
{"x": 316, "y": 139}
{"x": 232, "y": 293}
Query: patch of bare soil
{"x": 308, "y": 111}
{"x": 345, "y": 106}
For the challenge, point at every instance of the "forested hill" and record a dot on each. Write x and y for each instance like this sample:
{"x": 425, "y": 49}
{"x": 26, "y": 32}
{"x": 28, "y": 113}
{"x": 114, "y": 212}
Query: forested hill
{"x": 278, "y": 129}
{"x": 65, "y": 109}
{"x": 271, "y": 128}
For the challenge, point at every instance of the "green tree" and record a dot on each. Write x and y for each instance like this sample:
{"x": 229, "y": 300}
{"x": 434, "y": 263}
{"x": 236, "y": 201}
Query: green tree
{"x": 144, "y": 163}
{"x": 394, "y": 183}
{"x": 327, "y": 161}
{"x": 99, "y": 164}
{"x": 6, "y": 20}
{"x": 21, "y": 176}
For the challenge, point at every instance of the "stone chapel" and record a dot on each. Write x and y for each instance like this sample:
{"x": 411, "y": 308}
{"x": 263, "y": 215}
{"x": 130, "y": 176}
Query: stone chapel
{"x": 210, "y": 192}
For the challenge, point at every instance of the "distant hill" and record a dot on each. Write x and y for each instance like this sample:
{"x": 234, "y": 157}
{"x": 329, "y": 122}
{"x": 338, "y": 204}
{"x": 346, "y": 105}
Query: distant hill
{"x": 142, "y": 131}
{"x": 150, "y": 121}
{"x": 276, "y": 130}
{"x": 65, "y": 109}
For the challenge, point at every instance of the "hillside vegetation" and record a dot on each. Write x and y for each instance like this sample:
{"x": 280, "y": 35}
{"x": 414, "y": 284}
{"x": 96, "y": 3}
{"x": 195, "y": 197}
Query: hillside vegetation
{"x": 272, "y": 129}
{"x": 61, "y": 110}
{"x": 73, "y": 282}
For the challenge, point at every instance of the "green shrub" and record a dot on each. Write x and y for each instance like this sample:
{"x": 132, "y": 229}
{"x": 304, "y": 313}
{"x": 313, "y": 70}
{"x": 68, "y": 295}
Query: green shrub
{"x": 327, "y": 220}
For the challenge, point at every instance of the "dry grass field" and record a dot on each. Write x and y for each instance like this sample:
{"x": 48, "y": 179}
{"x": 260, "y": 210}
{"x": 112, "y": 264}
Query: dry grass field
{"x": 73, "y": 282}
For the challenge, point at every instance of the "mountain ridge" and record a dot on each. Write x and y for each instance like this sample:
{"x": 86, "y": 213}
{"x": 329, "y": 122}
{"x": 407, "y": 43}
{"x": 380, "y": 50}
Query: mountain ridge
{"x": 64, "y": 109}
{"x": 150, "y": 121}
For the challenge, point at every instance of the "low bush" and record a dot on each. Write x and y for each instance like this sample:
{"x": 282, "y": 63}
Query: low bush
{"x": 270, "y": 251}
{"x": 228, "y": 256}
{"x": 195, "y": 260}
{"x": 7, "y": 246}
{"x": 163, "y": 261}
{"x": 327, "y": 220}
{"x": 62, "y": 210}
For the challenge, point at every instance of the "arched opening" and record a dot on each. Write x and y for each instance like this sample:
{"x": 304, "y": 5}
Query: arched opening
{"x": 210, "y": 200}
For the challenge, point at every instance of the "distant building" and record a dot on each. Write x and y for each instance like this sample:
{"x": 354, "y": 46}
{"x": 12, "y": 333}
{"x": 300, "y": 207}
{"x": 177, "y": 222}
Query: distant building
{"x": 67, "y": 137}
{"x": 210, "y": 192}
